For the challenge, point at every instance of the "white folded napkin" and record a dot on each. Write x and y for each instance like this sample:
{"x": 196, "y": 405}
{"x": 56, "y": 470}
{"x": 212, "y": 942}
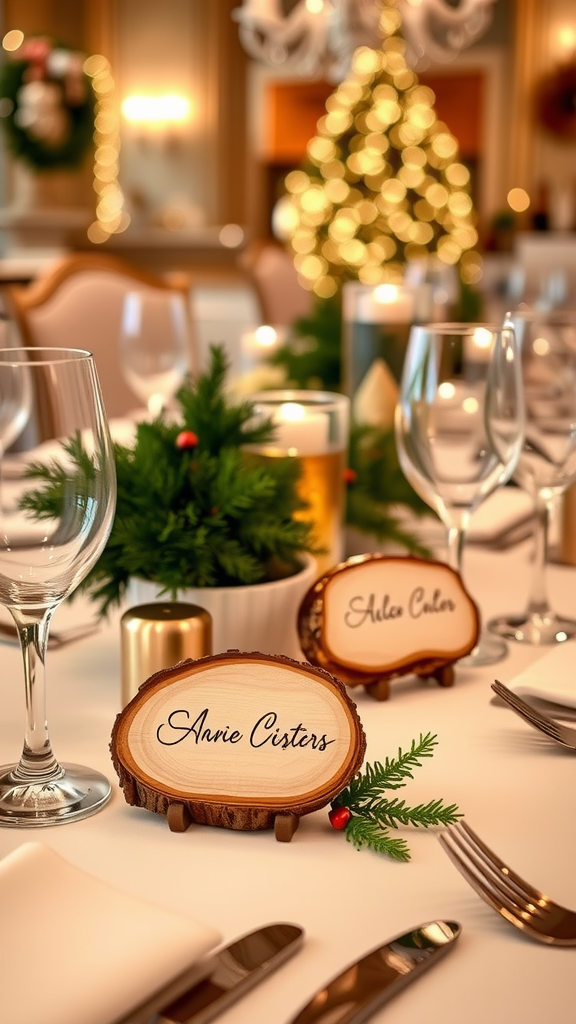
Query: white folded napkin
{"x": 552, "y": 678}
{"x": 503, "y": 509}
{"x": 75, "y": 950}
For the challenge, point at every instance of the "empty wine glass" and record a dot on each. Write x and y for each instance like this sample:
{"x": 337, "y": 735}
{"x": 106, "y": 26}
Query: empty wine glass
{"x": 547, "y": 464}
{"x": 459, "y": 428}
{"x": 43, "y": 558}
{"x": 155, "y": 345}
{"x": 16, "y": 394}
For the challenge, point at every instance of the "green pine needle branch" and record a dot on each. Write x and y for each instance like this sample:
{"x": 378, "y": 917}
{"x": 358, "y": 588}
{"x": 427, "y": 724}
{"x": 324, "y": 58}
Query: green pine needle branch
{"x": 205, "y": 516}
{"x": 372, "y": 814}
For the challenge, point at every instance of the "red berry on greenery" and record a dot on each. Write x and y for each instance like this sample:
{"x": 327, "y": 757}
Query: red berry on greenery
{"x": 186, "y": 439}
{"x": 350, "y": 476}
{"x": 339, "y": 817}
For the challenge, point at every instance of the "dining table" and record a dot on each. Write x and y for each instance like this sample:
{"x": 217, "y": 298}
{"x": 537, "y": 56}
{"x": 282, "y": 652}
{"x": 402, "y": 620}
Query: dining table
{"x": 516, "y": 788}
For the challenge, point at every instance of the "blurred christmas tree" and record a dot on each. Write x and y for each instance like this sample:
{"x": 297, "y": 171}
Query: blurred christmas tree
{"x": 382, "y": 184}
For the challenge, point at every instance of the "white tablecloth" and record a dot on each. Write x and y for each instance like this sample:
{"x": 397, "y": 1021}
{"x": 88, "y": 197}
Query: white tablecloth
{"x": 514, "y": 787}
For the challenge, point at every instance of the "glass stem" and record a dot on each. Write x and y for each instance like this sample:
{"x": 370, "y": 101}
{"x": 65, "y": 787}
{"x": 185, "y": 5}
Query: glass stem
{"x": 37, "y": 763}
{"x": 538, "y": 603}
{"x": 455, "y": 539}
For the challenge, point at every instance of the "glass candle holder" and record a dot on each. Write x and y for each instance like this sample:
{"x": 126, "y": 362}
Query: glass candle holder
{"x": 312, "y": 426}
{"x": 376, "y": 325}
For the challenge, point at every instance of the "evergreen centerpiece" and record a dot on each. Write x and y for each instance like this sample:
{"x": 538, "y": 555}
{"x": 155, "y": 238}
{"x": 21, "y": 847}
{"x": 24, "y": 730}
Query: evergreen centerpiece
{"x": 190, "y": 511}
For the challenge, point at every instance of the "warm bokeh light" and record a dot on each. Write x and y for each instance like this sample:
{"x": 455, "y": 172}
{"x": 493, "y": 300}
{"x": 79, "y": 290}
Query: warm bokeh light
{"x": 231, "y": 236}
{"x": 111, "y": 217}
{"x": 518, "y": 200}
{"x": 13, "y": 40}
{"x": 156, "y": 110}
{"x": 383, "y": 183}
{"x": 266, "y": 335}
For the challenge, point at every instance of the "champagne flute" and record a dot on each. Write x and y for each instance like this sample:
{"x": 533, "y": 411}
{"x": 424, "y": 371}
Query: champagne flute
{"x": 155, "y": 345}
{"x": 458, "y": 424}
{"x": 42, "y": 561}
{"x": 547, "y": 464}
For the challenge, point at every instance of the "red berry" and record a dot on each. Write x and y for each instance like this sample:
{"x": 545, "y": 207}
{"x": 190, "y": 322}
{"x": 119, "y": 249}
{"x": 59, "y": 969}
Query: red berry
{"x": 339, "y": 817}
{"x": 186, "y": 439}
{"x": 350, "y": 476}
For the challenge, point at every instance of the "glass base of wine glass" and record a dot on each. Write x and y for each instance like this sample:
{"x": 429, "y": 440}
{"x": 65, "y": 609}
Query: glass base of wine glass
{"x": 488, "y": 651}
{"x": 533, "y": 628}
{"x": 76, "y": 792}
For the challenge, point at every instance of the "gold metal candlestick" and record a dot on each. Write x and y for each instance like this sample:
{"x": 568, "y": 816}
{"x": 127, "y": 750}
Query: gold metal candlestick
{"x": 158, "y": 635}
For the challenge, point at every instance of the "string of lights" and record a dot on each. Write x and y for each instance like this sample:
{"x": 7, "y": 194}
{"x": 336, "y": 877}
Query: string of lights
{"x": 111, "y": 217}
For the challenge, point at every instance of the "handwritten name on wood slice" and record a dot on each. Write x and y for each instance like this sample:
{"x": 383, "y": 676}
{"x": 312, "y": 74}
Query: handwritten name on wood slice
{"x": 244, "y": 741}
{"x": 377, "y": 617}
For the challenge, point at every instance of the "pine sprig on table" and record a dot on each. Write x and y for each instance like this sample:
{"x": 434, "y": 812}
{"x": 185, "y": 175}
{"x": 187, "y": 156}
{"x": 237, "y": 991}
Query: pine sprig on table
{"x": 371, "y": 814}
{"x": 206, "y": 515}
{"x": 369, "y": 834}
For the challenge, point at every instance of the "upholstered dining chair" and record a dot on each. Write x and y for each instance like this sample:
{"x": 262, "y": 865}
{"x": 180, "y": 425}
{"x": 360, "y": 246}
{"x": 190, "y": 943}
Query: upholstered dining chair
{"x": 271, "y": 270}
{"x": 77, "y": 303}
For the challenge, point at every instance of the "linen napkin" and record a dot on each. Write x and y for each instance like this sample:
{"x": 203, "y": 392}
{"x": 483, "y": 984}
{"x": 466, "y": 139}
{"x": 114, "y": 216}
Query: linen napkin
{"x": 75, "y": 950}
{"x": 502, "y": 510}
{"x": 552, "y": 678}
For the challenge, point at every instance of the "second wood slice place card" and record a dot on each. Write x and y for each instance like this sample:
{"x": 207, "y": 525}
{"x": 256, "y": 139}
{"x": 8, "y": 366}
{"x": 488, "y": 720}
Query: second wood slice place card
{"x": 376, "y": 617}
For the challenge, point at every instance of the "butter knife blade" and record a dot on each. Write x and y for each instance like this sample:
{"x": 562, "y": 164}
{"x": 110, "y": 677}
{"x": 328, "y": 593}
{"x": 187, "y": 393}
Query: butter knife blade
{"x": 355, "y": 994}
{"x": 234, "y": 970}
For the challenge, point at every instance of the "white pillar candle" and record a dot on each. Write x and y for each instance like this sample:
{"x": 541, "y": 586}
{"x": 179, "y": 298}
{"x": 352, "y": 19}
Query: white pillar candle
{"x": 389, "y": 304}
{"x": 258, "y": 345}
{"x": 478, "y": 346}
{"x": 300, "y": 429}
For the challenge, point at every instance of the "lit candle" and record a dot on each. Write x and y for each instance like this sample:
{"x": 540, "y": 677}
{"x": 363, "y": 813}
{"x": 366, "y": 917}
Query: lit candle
{"x": 313, "y": 427}
{"x": 478, "y": 346}
{"x": 393, "y": 304}
{"x": 258, "y": 345}
{"x": 300, "y": 430}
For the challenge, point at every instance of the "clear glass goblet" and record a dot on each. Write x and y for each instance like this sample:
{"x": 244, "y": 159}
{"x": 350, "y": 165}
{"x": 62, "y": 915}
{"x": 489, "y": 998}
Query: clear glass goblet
{"x": 155, "y": 345}
{"x": 547, "y": 464}
{"x": 458, "y": 424}
{"x": 42, "y": 561}
{"x": 16, "y": 395}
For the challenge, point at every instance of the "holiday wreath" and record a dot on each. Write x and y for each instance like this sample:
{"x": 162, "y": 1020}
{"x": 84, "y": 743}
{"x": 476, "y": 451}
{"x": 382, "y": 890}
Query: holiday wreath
{"x": 47, "y": 104}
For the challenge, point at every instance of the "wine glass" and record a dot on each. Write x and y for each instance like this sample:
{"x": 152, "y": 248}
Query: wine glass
{"x": 16, "y": 395}
{"x": 458, "y": 429}
{"x": 42, "y": 561}
{"x": 155, "y": 345}
{"x": 547, "y": 464}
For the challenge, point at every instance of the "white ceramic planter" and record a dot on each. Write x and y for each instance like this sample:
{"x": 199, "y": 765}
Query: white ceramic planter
{"x": 261, "y": 617}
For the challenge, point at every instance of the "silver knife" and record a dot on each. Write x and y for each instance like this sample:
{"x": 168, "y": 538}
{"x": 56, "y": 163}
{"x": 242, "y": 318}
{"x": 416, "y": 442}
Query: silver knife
{"x": 232, "y": 971}
{"x": 354, "y": 995}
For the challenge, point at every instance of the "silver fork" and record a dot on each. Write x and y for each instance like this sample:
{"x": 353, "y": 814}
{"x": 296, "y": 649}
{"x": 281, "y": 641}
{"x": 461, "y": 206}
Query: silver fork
{"x": 556, "y": 731}
{"x": 516, "y": 900}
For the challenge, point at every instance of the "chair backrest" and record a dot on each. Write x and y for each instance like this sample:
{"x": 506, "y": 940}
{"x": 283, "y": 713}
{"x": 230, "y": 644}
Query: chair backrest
{"x": 77, "y": 303}
{"x": 282, "y": 297}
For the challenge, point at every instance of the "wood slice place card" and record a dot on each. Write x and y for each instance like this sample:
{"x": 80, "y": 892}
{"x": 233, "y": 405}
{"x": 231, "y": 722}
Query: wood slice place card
{"x": 376, "y": 617}
{"x": 244, "y": 741}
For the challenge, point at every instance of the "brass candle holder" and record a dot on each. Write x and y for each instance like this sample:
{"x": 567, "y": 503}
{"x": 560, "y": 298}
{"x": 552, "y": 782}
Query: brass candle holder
{"x": 157, "y": 636}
